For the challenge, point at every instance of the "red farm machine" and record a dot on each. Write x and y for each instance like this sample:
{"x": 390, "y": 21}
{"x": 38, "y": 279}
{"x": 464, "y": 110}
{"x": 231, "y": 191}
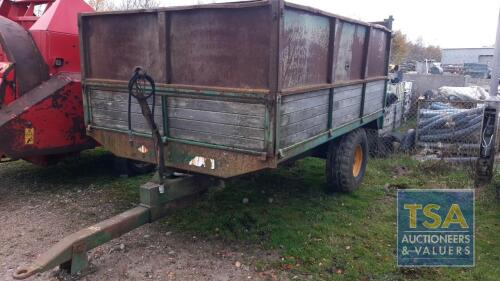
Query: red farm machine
{"x": 41, "y": 108}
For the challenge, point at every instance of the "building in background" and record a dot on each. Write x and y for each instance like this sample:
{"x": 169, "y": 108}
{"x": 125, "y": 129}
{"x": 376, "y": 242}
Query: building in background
{"x": 460, "y": 56}
{"x": 475, "y": 62}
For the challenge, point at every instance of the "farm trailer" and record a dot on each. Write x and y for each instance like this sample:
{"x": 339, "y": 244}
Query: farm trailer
{"x": 238, "y": 88}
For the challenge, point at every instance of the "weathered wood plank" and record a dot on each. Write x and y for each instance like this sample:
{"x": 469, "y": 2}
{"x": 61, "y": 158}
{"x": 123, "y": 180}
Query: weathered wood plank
{"x": 300, "y": 136}
{"x": 98, "y": 105}
{"x": 217, "y": 106}
{"x": 375, "y": 86}
{"x": 320, "y": 120}
{"x": 372, "y": 106}
{"x": 137, "y": 125}
{"x": 217, "y": 117}
{"x": 344, "y": 93}
{"x": 290, "y": 98}
{"x": 234, "y": 142}
{"x": 299, "y": 105}
{"x": 345, "y": 115}
{"x": 116, "y": 96}
{"x": 123, "y": 116}
{"x": 298, "y": 116}
{"x": 216, "y": 128}
{"x": 346, "y": 102}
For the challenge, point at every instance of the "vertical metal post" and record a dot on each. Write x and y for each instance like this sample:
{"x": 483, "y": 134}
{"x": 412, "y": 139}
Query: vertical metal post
{"x": 486, "y": 161}
{"x": 495, "y": 74}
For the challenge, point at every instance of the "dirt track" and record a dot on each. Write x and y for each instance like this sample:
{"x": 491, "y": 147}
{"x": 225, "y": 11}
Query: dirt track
{"x": 37, "y": 210}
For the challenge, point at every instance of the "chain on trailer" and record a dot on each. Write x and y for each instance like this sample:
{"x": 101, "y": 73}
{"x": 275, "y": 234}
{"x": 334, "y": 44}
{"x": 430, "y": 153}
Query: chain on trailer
{"x": 142, "y": 87}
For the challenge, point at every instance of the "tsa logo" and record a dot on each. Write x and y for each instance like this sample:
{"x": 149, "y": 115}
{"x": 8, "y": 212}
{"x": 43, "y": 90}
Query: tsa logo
{"x": 435, "y": 228}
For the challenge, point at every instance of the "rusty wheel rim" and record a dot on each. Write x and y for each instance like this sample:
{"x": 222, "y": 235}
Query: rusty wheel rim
{"x": 358, "y": 161}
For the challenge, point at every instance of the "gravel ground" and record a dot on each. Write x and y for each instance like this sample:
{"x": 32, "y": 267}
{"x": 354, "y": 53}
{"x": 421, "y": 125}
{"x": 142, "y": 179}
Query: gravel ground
{"x": 37, "y": 210}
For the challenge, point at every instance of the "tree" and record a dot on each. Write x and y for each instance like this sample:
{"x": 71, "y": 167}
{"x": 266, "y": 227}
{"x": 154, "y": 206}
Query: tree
{"x": 137, "y": 4}
{"x": 400, "y": 48}
{"x": 433, "y": 52}
{"x": 108, "y": 5}
{"x": 404, "y": 50}
{"x": 102, "y": 5}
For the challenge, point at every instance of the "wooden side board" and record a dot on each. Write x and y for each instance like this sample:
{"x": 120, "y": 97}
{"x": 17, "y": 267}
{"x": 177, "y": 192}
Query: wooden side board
{"x": 303, "y": 116}
{"x": 218, "y": 122}
{"x": 109, "y": 109}
{"x": 374, "y": 97}
{"x": 346, "y": 104}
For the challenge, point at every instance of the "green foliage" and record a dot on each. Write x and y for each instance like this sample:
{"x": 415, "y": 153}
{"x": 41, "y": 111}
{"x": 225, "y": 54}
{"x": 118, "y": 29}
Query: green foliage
{"x": 404, "y": 50}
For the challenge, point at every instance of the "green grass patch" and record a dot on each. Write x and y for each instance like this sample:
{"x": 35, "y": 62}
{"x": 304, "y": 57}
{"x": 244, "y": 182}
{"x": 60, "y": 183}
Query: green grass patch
{"x": 318, "y": 236}
{"x": 339, "y": 237}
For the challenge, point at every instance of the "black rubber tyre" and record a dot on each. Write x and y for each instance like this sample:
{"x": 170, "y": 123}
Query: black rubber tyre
{"x": 139, "y": 167}
{"x": 344, "y": 171}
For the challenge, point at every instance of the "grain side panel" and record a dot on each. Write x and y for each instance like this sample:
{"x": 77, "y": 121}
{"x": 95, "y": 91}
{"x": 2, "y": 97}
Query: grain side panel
{"x": 115, "y": 45}
{"x": 109, "y": 109}
{"x": 348, "y": 51}
{"x": 221, "y": 47}
{"x": 377, "y": 53}
{"x": 343, "y": 50}
{"x": 217, "y": 122}
{"x": 304, "y": 55}
{"x": 374, "y": 97}
{"x": 346, "y": 104}
{"x": 303, "y": 116}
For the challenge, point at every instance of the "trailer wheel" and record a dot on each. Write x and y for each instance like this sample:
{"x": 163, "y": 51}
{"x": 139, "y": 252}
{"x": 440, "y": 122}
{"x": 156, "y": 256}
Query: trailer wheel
{"x": 139, "y": 167}
{"x": 128, "y": 167}
{"x": 346, "y": 162}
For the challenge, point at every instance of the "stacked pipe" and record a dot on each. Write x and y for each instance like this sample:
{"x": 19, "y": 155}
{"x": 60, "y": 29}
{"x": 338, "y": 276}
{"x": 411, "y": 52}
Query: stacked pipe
{"x": 444, "y": 124}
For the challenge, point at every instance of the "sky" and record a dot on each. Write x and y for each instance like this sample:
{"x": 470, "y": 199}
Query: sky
{"x": 447, "y": 23}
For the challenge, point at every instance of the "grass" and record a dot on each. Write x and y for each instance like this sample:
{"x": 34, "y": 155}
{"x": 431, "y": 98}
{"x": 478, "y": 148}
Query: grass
{"x": 339, "y": 237}
{"x": 318, "y": 236}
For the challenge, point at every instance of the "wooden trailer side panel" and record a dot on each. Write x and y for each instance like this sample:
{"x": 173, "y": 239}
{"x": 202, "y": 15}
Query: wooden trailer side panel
{"x": 374, "y": 97}
{"x": 346, "y": 104}
{"x": 303, "y": 116}
{"x": 225, "y": 123}
{"x": 109, "y": 109}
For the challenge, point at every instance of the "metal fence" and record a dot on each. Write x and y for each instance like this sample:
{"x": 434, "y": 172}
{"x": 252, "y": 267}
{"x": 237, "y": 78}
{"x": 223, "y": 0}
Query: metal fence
{"x": 449, "y": 131}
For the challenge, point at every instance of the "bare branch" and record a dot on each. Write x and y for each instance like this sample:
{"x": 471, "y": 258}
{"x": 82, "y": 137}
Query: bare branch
{"x": 102, "y": 5}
